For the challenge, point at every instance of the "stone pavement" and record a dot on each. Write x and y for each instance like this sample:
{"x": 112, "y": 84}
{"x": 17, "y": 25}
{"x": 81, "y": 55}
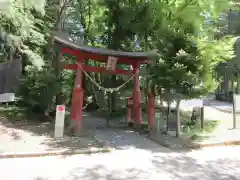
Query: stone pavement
{"x": 172, "y": 142}
{"x": 221, "y": 111}
{"x": 188, "y": 105}
{"x": 216, "y": 110}
{"x": 221, "y": 106}
{"x": 222, "y": 163}
{"x": 124, "y": 139}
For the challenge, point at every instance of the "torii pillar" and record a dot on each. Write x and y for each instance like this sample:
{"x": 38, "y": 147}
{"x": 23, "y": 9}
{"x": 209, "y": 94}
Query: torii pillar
{"x": 77, "y": 98}
{"x": 137, "y": 110}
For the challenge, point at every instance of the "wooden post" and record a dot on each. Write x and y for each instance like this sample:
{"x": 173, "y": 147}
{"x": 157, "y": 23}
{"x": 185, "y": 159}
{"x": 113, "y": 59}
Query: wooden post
{"x": 234, "y": 112}
{"x": 178, "y": 129}
{"x": 158, "y": 126}
{"x": 225, "y": 85}
{"x": 137, "y": 96}
{"x": 202, "y": 117}
{"x": 151, "y": 112}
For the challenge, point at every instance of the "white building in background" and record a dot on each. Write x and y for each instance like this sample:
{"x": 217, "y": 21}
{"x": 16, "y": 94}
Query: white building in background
{"x": 4, "y": 4}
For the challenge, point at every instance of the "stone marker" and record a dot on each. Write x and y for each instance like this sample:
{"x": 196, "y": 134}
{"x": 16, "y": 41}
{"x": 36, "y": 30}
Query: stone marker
{"x": 59, "y": 121}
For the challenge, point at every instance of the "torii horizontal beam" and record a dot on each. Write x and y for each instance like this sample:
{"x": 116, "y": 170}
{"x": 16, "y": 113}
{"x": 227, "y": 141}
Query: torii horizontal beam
{"x": 98, "y": 69}
{"x": 99, "y": 57}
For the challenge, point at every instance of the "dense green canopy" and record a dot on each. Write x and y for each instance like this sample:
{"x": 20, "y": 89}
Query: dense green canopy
{"x": 188, "y": 35}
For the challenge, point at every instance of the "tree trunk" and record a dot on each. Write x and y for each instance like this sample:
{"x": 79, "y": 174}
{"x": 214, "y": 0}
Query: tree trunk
{"x": 113, "y": 95}
{"x": 57, "y": 67}
{"x": 178, "y": 128}
{"x": 168, "y": 114}
{"x": 226, "y": 79}
{"x": 162, "y": 104}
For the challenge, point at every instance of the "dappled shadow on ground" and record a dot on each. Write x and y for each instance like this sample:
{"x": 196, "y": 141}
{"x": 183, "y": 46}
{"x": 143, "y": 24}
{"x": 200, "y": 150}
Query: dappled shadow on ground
{"x": 98, "y": 135}
{"x": 98, "y": 172}
{"x": 157, "y": 166}
{"x": 187, "y": 168}
{"x": 125, "y": 139}
{"x": 41, "y": 135}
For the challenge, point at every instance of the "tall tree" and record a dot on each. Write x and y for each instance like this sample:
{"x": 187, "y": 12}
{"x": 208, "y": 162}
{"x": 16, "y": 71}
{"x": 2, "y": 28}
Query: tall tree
{"x": 188, "y": 52}
{"x": 19, "y": 30}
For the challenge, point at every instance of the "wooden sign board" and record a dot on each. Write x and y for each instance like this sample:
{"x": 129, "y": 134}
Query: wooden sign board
{"x": 111, "y": 63}
{"x": 236, "y": 109}
{"x": 236, "y": 99}
{"x": 7, "y": 97}
{"x": 59, "y": 121}
{"x": 206, "y": 102}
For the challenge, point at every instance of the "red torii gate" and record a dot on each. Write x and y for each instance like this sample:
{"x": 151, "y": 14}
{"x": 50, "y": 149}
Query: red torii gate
{"x": 135, "y": 59}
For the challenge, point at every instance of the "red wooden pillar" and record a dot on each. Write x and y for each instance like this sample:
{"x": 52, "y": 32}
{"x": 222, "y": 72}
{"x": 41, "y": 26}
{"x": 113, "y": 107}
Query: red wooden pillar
{"x": 77, "y": 98}
{"x": 137, "y": 95}
{"x": 151, "y": 111}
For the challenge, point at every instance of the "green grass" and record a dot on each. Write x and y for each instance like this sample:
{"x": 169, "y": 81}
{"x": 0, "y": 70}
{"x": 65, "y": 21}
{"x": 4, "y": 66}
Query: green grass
{"x": 190, "y": 131}
{"x": 194, "y": 132}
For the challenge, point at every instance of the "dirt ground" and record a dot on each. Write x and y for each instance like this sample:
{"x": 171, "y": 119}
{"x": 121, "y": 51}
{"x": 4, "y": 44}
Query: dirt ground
{"x": 38, "y": 137}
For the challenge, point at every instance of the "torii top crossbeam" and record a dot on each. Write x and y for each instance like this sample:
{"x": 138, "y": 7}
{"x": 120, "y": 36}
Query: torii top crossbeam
{"x": 100, "y": 54}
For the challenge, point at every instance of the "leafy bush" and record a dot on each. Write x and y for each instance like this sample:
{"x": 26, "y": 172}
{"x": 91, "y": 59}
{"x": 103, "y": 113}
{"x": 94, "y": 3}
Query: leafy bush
{"x": 37, "y": 90}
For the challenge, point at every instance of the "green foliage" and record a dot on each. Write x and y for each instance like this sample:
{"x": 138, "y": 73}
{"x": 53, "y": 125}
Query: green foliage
{"x": 18, "y": 30}
{"x": 67, "y": 83}
{"x": 37, "y": 90}
{"x": 187, "y": 48}
{"x": 182, "y": 31}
